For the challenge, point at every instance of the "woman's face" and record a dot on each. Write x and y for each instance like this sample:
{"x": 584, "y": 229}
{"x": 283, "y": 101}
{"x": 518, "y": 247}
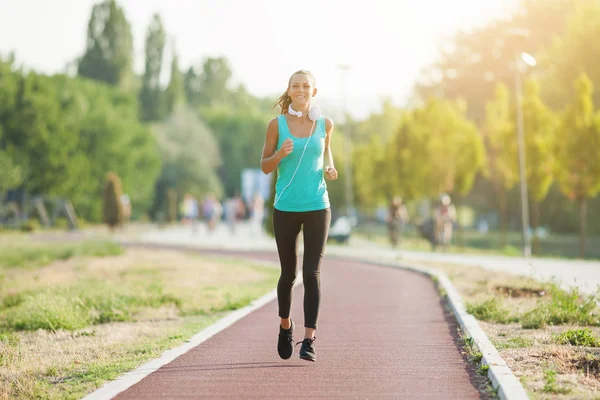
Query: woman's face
{"x": 301, "y": 90}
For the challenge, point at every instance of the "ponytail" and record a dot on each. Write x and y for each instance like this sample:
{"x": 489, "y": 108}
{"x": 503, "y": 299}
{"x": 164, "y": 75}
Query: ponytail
{"x": 284, "y": 102}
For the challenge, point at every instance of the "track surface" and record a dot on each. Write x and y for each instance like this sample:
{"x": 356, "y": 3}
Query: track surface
{"x": 382, "y": 333}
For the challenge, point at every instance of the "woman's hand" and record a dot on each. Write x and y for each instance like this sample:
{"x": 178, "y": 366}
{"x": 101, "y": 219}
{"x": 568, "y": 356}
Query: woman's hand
{"x": 331, "y": 173}
{"x": 286, "y": 148}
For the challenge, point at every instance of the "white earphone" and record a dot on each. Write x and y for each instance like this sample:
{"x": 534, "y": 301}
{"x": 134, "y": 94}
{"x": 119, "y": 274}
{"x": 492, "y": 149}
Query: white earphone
{"x": 313, "y": 114}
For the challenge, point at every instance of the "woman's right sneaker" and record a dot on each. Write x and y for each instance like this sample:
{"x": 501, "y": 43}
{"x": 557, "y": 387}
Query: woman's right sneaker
{"x": 285, "y": 344}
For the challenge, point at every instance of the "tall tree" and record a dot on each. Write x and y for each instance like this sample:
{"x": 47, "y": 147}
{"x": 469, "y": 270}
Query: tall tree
{"x": 175, "y": 94}
{"x": 109, "y": 48}
{"x": 578, "y": 169}
{"x": 436, "y": 150}
{"x": 574, "y": 53}
{"x": 499, "y": 132}
{"x": 216, "y": 74}
{"x": 190, "y": 157}
{"x": 471, "y": 62}
{"x": 151, "y": 95}
{"x": 193, "y": 87}
{"x": 540, "y": 129}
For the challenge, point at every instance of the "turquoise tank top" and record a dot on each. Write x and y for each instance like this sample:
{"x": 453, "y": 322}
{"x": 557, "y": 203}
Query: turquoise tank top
{"x": 307, "y": 191}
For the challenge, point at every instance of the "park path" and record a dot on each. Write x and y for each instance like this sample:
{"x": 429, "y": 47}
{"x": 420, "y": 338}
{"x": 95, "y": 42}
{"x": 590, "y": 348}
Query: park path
{"x": 383, "y": 333}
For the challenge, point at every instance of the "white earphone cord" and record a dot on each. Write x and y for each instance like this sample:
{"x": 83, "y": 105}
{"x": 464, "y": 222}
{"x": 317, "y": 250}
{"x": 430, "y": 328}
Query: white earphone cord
{"x": 297, "y": 166}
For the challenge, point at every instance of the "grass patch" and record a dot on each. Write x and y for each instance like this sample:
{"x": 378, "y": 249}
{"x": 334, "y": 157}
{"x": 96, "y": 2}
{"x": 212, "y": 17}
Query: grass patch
{"x": 87, "y": 303}
{"x": 578, "y": 337}
{"x": 518, "y": 342}
{"x": 489, "y": 310}
{"x": 564, "y": 307}
{"x": 26, "y": 254}
{"x": 551, "y": 385}
{"x": 69, "y": 327}
{"x": 471, "y": 350}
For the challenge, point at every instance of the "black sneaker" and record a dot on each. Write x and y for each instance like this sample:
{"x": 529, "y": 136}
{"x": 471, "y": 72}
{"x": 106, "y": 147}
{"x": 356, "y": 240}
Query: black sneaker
{"x": 285, "y": 345}
{"x": 307, "y": 351}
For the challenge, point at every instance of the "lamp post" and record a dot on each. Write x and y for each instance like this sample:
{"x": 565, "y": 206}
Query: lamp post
{"x": 344, "y": 68}
{"x": 529, "y": 60}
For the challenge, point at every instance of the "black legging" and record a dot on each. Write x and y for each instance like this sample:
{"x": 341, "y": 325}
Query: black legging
{"x": 287, "y": 228}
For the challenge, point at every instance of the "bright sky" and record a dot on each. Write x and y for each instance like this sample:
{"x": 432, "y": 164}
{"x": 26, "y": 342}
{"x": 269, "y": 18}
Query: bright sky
{"x": 385, "y": 42}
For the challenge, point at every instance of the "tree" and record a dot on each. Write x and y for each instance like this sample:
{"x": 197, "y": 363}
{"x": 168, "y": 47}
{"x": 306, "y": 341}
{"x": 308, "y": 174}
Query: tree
{"x": 151, "y": 95}
{"x": 11, "y": 174}
{"x": 215, "y": 79}
{"x": 436, "y": 150}
{"x": 540, "y": 128}
{"x": 470, "y": 62}
{"x": 499, "y": 132}
{"x": 578, "y": 169}
{"x": 574, "y": 53}
{"x": 190, "y": 157}
{"x": 240, "y": 137}
{"x": 175, "y": 93}
{"x": 192, "y": 85}
{"x": 109, "y": 49}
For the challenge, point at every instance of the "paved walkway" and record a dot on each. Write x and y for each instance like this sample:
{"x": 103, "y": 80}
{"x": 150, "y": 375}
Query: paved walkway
{"x": 583, "y": 274}
{"x": 383, "y": 333}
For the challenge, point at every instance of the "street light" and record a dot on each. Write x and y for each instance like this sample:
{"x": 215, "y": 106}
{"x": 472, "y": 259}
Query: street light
{"x": 529, "y": 60}
{"x": 344, "y": 68}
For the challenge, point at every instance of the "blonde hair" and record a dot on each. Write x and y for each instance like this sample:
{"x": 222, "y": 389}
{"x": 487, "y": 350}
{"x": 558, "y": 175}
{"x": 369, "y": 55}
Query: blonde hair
{"x": 285, "y": 100}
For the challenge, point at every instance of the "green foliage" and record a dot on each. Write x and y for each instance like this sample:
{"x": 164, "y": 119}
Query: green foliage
{"x": 190, "y": 157}
{"x": 500, "y": 139}
{"x": 579, "y": 138}
{"x": 445, "y": 146}
{"x": 238, "y": 133}
{"x": 578, "y": 337}
{"x": 11, "y": 173}
{"x": 112, "y": 209}
{"x": 151, "y": 94}
{"x": 573, "y": 53}
{"x": 175, "y": 92}
{"x": 482, "y": 57}
{"x": 109, "y": 53}
{"x": 371, "y": 139}
{"x": 578, "y": 170}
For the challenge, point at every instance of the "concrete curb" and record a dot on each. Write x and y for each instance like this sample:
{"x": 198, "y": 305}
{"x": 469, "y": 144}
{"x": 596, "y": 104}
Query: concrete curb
{"x": 501, "y": 376}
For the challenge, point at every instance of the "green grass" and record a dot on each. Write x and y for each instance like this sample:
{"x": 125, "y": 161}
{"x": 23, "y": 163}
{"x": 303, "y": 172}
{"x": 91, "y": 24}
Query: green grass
{"x": 76, "y": 306}
{"x": 489, "y": 310}
{"x": 75, "y": 380}
{"x": 138, "y": 295}
{"x": 565, "y": 307}
{"x": 578, "y": 337}
{"x": 561, "y": 307}
{"x": 518, "y": 342}
{"x": 26, "y": 254}
{"x": 550, "y": 384}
